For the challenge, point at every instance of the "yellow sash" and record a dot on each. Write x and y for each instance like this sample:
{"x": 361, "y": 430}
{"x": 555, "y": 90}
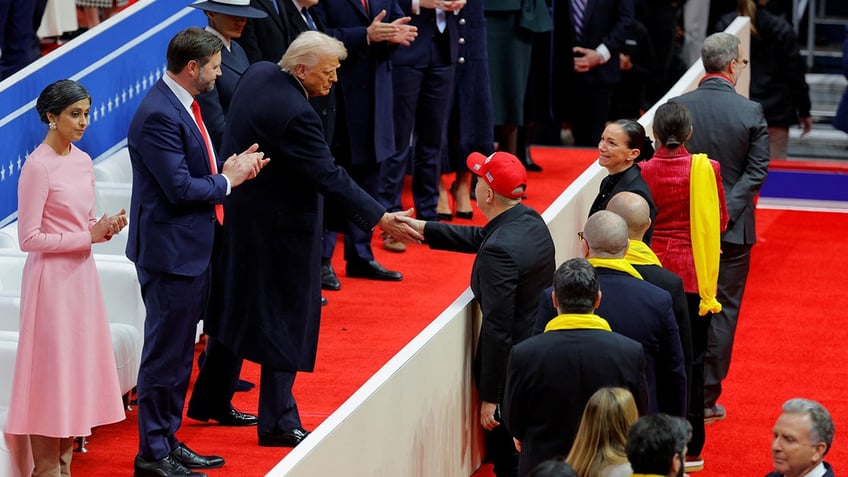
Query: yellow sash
{"x": 705, "y": 223}
{"x": 574, "y": 321}
{"x": 619, "y": 264}
{"x": 640, "y": 254}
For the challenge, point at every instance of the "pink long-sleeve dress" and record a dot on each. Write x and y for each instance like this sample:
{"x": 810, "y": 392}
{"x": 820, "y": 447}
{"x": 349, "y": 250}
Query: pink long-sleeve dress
{"x": 65, "y": 375}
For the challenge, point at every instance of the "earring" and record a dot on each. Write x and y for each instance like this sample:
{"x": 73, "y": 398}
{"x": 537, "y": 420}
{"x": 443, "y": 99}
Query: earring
{"x": 52, "y": 125}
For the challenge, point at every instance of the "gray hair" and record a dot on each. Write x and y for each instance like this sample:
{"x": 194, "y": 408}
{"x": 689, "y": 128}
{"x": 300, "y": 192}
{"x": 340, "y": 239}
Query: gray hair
{"x": 606, "y": 235}
{"x": 58, "y": 96}
{"x": 719, "y": 50}
{"x": 308, "y": 48}
{"x": 821, "y": 424}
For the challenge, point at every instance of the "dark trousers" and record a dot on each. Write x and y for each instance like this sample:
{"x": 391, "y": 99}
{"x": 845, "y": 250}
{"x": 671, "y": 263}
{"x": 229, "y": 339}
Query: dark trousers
{"x": 17, "y": 35}
{"x": 700, "y": 329}
{"x": 500, "y": 450}
{"x": 732, "y": 276}
{"x": 174, "y": 305}
{"x": 592, "y": 106}
{"x": 216, "y": 383}
{"x": 357, "y": 242}
{"x": 421, "y": 100}
{"x": 277, "y": 407}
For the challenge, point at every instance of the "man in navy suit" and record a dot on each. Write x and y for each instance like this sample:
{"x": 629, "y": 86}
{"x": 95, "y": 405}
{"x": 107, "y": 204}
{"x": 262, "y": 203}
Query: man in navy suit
{"x": 803, "y": 435}
{"x": 422, "y": 78}
{"x": 266, "y": 303}
{"x": 176, "y": 195}
{"x": 587, "y": 37}
{"x": 636, "y": 309}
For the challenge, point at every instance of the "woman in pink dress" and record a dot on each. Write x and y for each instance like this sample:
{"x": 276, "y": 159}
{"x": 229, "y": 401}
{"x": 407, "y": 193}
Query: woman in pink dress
{"x": 65, "y": 375}
{"x": 670, "y": 174}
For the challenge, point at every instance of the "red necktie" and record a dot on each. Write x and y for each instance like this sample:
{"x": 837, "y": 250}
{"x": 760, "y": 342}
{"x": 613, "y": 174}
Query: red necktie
{"x": 365, "y": 5}
{"x": 195, "y": 108}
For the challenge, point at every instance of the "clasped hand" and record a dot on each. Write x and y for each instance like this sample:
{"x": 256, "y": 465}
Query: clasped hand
{"x": 244, "y": 166}
{"x": 399, "y": 225}
{"x": 108, "y": 226}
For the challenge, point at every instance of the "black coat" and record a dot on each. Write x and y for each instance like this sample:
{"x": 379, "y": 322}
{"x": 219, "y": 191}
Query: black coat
{"x": 266, "y": 300}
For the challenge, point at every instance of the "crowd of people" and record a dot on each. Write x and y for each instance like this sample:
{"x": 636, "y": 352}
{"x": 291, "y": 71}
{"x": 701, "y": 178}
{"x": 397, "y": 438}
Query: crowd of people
{"x": 235, "y": 208}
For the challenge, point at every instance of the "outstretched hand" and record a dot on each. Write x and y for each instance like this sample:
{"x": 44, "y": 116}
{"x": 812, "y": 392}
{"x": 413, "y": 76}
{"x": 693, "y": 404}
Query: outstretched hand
{"x": 400, "y": 226}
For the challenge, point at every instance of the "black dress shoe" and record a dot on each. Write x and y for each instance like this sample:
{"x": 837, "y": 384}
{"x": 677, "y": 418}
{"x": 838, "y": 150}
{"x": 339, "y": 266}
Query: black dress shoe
{"x": 373, "y": 271}
{"x": 192, "y": 460}
{"x": 323, "y": 301}
{"x": 464, "y": 215}
{"x": 232, "y": 418}
{"x": 166, "y": 467}
{"x": 329, "y": 280}
{"x": 285, "y": 439}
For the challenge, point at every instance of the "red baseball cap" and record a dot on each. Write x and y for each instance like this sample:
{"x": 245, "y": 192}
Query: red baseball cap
{"x": 502, "y": 171}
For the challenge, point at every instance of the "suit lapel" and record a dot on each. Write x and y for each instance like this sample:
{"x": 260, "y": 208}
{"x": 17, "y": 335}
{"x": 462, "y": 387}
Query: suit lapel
{"x": 233, "y": 61}
{"x": 186, "y": 118}
{"x": 269, "y": 8}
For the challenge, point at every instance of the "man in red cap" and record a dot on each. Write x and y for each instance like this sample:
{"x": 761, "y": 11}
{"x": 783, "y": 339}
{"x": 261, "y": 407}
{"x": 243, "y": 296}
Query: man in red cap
{"x": 515, "y": 262}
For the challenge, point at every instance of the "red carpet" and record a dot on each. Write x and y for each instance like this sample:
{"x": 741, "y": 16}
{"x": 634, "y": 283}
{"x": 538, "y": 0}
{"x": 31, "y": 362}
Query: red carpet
{"x": 788, "y": 343}
{"x": 363, "y": 326}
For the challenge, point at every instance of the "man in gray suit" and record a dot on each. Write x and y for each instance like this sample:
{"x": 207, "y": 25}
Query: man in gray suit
{"x": 732, "y": 130}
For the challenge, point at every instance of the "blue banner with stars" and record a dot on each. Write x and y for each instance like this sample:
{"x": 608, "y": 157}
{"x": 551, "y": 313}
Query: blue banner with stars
{"x": 117, "y": 62}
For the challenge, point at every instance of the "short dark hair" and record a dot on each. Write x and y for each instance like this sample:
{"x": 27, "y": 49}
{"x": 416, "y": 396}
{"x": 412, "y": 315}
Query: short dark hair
{"x": 636, "y": 138}
{"x": 576, "y": 286}
{"x": 672, "y": 124}
{"x": 57, "y": 96}
{"x": 556, "y": 467}
{"x": 193, "y": 43}
{"x": 653, "y": 441}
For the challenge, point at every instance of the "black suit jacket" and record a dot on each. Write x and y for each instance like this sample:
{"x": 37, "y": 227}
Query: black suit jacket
{"x": 629, "y": 180}
{"x": 643, "y": 312}
{"x": 515, "y": 262}
{"x": 215, "y": 104}
{"x": 551, "y": 376}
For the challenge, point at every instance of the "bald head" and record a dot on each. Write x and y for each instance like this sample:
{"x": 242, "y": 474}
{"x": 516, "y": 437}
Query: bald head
{"x": 634, "y": 209}
{"x": 606, "y": 235}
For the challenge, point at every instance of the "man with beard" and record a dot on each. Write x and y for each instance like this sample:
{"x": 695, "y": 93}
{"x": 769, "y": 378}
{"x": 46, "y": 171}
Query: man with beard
{"x": 656, "y": 445}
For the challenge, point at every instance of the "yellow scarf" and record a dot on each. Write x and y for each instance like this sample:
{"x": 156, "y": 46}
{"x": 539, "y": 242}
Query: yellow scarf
{"x": 640, "y": 254}
{"x": 574, "y": 321}
{"x": 705, "y": 223}
{"x": 619, "y": 264}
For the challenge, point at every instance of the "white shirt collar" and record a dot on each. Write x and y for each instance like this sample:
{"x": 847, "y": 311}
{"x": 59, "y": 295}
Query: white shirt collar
{"x": 181, "y": 93}
{"x": 219, "y": 35}
{"x": 818, "y": 471}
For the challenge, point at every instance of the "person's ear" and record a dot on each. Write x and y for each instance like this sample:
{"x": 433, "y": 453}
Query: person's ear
{"x": 676, "y": 462}
{"x": 556, "y": 303}
{"x": 598, "y": 300}
{"x": 820, "y": 449}
{"x": 634, "y": 153}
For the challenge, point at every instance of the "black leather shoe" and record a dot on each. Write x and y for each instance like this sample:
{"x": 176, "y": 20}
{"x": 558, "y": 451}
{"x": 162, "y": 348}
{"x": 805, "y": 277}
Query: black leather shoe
{"x": 192, "y": 460}
{"x": 232, "y": 418}
{"x": 329, "y": 280}
{"x": 167, "y": 467}
{"x": 286, "y": 439}
{"x": 373, "y": 271}
{"x": 323, "y": 301}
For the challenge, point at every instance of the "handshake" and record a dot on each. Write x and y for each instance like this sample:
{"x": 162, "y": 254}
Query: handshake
{"x": 402, "y": 227}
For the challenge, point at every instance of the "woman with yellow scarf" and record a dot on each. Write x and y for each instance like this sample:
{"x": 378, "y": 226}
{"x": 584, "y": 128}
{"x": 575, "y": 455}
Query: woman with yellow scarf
{"x": 692, "y": 214}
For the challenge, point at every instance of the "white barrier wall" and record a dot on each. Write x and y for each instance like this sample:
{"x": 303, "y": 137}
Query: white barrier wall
{"x": 417, "y": 416}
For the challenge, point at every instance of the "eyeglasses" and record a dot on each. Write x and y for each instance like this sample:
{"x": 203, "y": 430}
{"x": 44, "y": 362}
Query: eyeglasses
{"x": 743, "y": 62}
{"x": 582, "y": 238}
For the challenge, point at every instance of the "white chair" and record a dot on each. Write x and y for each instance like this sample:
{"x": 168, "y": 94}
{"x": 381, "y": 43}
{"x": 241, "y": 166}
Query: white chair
{"x": 9, "y": 236}
{"x": 115, "y": 168}
{"x": 111, "y": 197}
